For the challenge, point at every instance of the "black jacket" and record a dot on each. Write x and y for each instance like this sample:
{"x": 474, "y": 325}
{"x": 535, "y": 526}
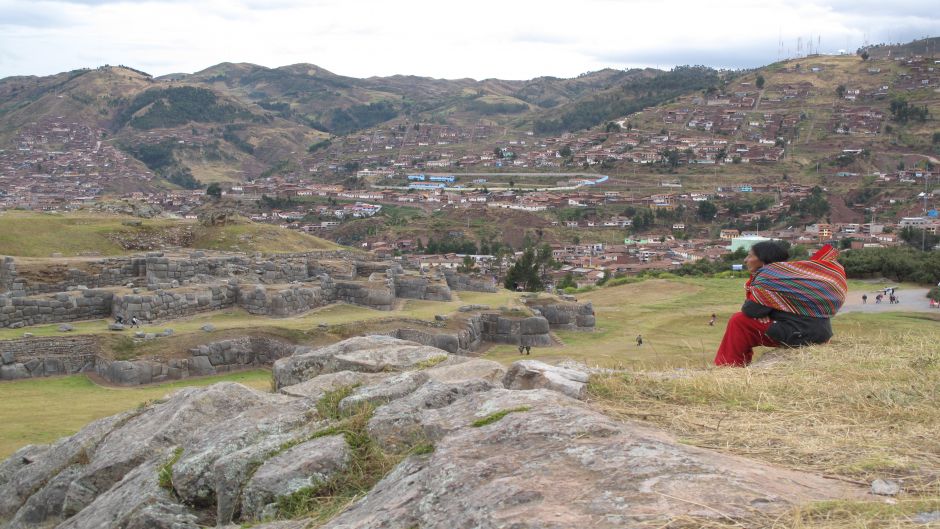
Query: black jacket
{"x": 790, "y": 329}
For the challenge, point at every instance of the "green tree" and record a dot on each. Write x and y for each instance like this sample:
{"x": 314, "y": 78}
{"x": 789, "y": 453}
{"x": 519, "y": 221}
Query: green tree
{"x": 567, "y": 282}
{"x": 707, "y": 210}
{"x": 759, "y": 83}
{"x": 565, "y": 152}
{"x": 840, "y": 91}
{"x": 214, "y": 190}
{"x": 467, "y": 266}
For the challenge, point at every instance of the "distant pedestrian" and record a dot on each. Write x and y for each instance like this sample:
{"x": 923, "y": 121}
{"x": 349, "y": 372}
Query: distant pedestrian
{"x": 711, "y": 322}
{"x": 135, "y": 322}
{"x": 521, "y": 348}
{"x": 639, "y": 340}
{"x": 527, "y": 349}
{"x": 878, "y": 299}
{"x": 864, "y": 299}
{"x": 891, "y": 299}
{"x": 119, "y": 319}
{"x": 897, "y": 300}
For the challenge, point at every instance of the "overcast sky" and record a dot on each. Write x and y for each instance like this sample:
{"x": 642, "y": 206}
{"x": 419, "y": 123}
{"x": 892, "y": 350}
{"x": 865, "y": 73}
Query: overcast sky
{"x": 481, "y": 39}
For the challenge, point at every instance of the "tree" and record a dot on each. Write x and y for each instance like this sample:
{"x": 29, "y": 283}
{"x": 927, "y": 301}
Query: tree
{"x": 865, "y": 55}
{"x": 840, "y": 91}
{"x": 467, "y": 266}
{"x": 565, "y": 152}
{"x": 567, "y": 282}
{"x": 759, "y": 83}
{"x": 707, "y": 210}
{"x": 670, "y": 157}
{"x": 612, "y": 127}
{"x": 214, "y": 190}
{"x": 498, "y": 152}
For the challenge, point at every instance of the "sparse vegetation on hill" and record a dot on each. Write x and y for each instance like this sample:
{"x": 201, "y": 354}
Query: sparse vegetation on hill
{"x": 171, "y": 107}
{"x": 40, "y": 235}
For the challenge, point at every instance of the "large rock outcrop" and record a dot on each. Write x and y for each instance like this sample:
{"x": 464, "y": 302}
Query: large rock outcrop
{"x": 501, "y": 457}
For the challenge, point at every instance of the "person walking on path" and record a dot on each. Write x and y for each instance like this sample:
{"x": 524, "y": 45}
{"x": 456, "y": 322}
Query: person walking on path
{"x": 786, "y": 303}
{"x": 639, "y": 340}
{"x": 711, "y": 322}
{"x": 864, "y": 299}
{"x": 135, "y": 322}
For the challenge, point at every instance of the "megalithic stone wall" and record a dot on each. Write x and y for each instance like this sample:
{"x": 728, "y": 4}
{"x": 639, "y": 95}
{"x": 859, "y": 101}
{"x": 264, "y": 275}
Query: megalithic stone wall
{"x": 457, "y": 281}
{"x": 18, "y": 312}
{"x": 42, "y": 356}
{"x": 567, "y": 315}
{"x": 285, "y": 302}
{"x": 168, "y": 304}
{"x": 532, "y": 331}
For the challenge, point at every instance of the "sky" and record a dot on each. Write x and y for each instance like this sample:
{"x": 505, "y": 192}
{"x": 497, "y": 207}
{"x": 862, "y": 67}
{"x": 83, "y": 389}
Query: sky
{"x": 507, "y": 39}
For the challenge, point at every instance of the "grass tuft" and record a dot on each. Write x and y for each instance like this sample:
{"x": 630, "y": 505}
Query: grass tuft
{"x": 431, "y": 362}
{"x": 494, "y": 417}
{"x": 328, "y": 405}
{"x": 367, "y": 465}
{"x": 165, "y": 476}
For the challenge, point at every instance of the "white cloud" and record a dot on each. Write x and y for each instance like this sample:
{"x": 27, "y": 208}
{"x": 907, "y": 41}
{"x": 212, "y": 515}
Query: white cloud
{"x": 480, "y": 39}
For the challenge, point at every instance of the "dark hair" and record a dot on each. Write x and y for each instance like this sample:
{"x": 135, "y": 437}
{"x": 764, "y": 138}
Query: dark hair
{"x": 770, "y": 252}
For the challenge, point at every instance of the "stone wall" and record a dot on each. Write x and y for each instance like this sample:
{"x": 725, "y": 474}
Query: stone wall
{"x": 368, "y": 295}
{"x": 285, "y": 302}
{"x": 566, "y": 315}
{"x": 209, "y": 359}
{"x": 16, "y": 312}
{"x": 462, "y": 342}
{"x": 417, "y": 287}
{"x": 97, "y": 274}
{"x": 168, "y": 304}
{"x": 38, "y": 357}
{"x": 162, "y": 270}
{"x": 458, "y": 281}
{"x": 532, "y": 331}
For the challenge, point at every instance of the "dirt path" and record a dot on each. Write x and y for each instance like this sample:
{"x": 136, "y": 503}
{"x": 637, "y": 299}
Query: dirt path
{"x": 911, "y": 300}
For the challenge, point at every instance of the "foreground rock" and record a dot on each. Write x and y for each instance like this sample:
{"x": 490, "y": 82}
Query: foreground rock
{"x": 532, "y": 374}
{"x": 370, "y": 354}
{"x": 501, "y": 457}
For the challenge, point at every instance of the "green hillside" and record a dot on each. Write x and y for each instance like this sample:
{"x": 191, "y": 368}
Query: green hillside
{"x": 29, "y": 234}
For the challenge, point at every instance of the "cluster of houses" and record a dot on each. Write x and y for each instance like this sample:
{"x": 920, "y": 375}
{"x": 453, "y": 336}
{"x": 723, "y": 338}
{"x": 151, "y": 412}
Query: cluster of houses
{"x": 57, "y": 164}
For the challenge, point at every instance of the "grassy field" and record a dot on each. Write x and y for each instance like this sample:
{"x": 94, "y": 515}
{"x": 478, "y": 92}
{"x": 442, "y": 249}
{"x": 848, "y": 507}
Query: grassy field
{"x": 31, "y": 234}
{"x": 672, "y": 316}
{"x": 43, "y": 410}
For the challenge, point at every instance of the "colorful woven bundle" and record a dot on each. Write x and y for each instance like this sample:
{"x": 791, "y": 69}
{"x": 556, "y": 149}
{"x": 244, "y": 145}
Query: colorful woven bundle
{"x": 813, "y": 288}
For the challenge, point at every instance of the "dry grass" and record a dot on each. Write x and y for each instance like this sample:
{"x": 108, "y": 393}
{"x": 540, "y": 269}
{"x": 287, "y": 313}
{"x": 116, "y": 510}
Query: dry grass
{"x": 860, "y": 409}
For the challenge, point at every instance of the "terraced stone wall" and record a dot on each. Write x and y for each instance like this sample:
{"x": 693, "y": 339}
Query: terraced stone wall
{"x": 22, "y": 311}
{"x": 285, "y": 302}
{"x": 47, "y": 356}
{"x": 169, "y": 304}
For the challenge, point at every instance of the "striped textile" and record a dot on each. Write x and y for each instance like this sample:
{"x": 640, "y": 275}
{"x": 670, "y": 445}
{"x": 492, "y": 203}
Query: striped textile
{"x": 813, "y": 288}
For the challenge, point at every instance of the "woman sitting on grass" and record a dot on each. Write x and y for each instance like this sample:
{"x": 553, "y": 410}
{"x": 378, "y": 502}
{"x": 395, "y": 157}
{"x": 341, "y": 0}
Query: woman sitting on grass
{"x": 788, "y": 303}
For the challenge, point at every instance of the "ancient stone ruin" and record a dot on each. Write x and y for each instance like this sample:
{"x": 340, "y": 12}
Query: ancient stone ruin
{"x": 158, "y": 287}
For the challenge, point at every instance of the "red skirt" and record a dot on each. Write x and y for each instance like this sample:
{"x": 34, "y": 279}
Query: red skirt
{"x": 741, "y": 336}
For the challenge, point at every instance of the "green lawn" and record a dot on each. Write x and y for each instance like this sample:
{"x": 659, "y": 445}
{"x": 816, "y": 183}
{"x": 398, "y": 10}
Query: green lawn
{"x": 42, "y": 410}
